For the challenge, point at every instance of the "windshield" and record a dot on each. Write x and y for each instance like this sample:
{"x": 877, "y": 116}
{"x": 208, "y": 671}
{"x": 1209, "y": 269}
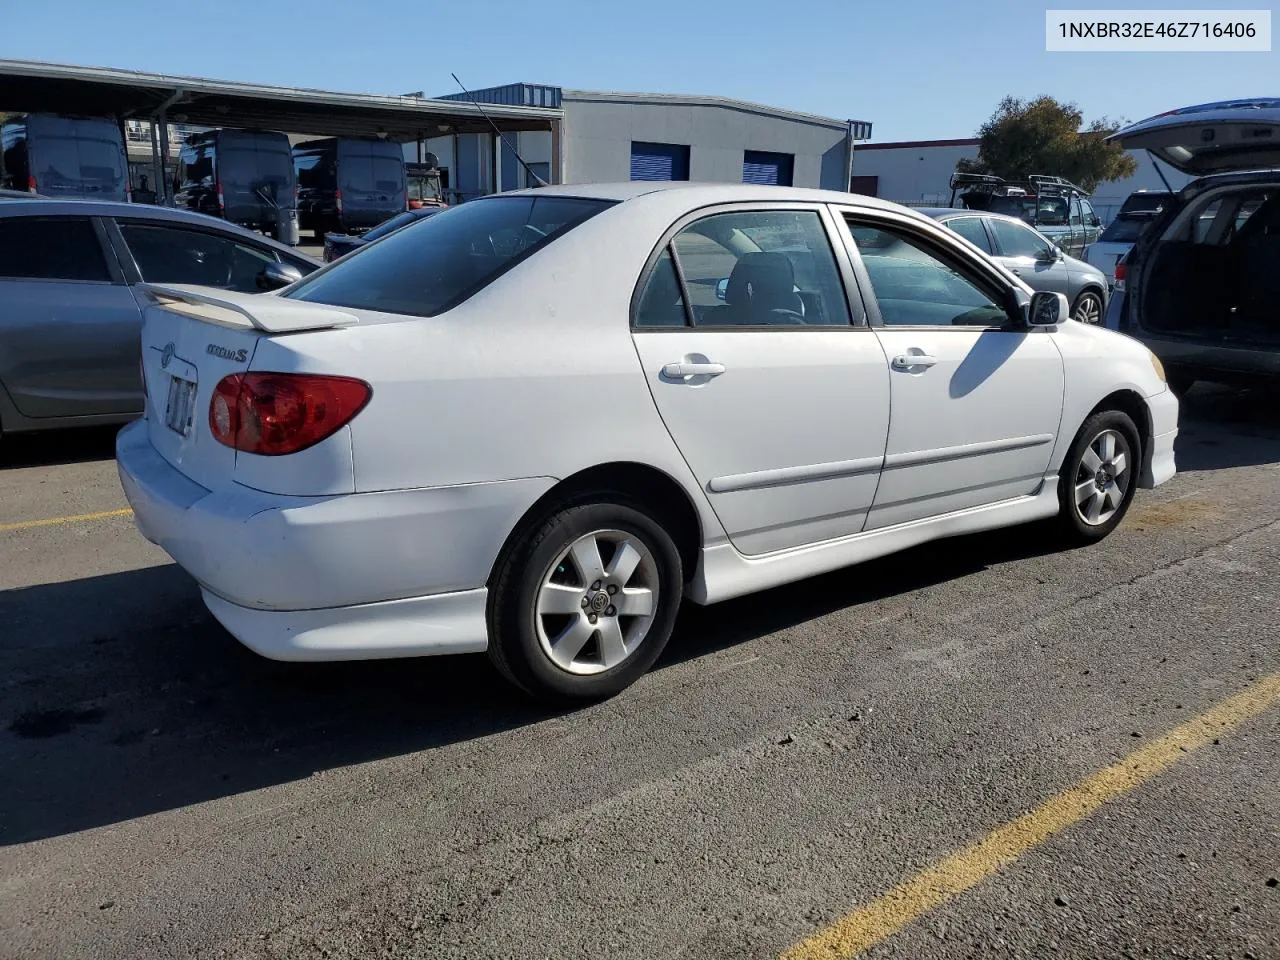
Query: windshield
{"x": 1124, "y": 229}
{"x": 448, "y": 258}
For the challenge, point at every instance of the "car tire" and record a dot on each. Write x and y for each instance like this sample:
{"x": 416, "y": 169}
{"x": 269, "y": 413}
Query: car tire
{"x": 556, "y": 629}
{"x": 1087, "y": 308}
{"x": 1094, "y": 488}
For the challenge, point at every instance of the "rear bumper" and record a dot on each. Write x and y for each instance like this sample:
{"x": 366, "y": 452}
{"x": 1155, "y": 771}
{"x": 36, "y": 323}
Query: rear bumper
{"x": 306, "y": 573}
{"x": 1159, "y": 464}
{"x": 416, "y": 627}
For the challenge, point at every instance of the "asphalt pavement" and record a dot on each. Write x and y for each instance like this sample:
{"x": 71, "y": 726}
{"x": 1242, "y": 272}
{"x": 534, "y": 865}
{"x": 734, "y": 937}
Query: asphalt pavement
{"x": 798, "y": 772}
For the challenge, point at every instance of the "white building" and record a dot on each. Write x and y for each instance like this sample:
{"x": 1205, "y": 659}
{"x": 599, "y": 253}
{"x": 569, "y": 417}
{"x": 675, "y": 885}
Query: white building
{"x": 916, "y": 172}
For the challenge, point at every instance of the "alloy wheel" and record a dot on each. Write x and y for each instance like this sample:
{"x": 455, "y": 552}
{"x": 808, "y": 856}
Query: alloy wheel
{"x": 1088, "y": 309}
{"x": 1103, "y": 477}
{"x": 596, "y": 602}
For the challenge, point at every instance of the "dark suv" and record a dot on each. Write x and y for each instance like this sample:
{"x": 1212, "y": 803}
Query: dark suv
{"x": 1200, "y": 286}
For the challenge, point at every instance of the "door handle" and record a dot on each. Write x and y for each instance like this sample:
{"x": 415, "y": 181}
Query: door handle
{"x": 910, "y": 360}
{"x": 686, "y": 369}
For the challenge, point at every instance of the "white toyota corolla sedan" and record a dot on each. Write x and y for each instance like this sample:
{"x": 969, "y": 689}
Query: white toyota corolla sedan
{"x": 533, "y": 423}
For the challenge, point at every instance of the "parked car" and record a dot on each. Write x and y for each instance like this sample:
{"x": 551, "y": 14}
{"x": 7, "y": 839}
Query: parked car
{"x": 243, "y": 176}
{"x": 1031, "y": 256}
{"x": 348, "y": 185}
{"x": 518, "y": 427}
{"x": 64, "y": 157}
{"x": 1116, "y": 240}
{"x": 340, "y": 244}
{"x": 1056, "y": 207}
{"x": 1144, "y": 201}
{"x": 71, "y": 307}
{"x": 1201, "y": 284}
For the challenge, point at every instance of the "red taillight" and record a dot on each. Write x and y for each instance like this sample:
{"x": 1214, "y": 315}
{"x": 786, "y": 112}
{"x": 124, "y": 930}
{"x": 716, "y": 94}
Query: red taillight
{"x": 31, "y": 185}
{"x": 1121, "y": 271}
{"x": 277, "y": 413}
{"x": 222, "y": 203}
{"x": 337, "y": 199}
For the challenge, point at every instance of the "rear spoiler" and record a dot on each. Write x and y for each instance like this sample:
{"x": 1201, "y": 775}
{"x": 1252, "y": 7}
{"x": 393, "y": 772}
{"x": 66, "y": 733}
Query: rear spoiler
{"x": 259, "y": 311}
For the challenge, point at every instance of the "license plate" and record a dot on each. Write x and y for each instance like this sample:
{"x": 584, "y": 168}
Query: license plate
{"x": 182, "y": 401}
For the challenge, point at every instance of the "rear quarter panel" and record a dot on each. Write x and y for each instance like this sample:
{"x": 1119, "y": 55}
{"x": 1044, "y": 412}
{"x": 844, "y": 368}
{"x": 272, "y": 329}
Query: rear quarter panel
{"x": 535, "y": 376}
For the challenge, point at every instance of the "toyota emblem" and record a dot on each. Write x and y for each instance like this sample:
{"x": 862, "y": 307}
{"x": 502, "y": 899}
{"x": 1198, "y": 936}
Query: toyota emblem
{"x": 167, "y": 355}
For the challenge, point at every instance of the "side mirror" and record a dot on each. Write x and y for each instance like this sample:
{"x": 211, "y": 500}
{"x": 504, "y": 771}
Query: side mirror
{"x": 1050, "y": 254}
{"x": 722, "y": 289}
{"x": 1095, "y": 221}
{"x": 1046, "y": 310}
{"x": 277, "y": 275}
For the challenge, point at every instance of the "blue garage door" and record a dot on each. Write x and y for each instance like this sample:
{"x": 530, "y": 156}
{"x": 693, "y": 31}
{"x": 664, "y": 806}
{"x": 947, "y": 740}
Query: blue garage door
{"x": 770, "y": 169}
{"x": 659, "y": 161}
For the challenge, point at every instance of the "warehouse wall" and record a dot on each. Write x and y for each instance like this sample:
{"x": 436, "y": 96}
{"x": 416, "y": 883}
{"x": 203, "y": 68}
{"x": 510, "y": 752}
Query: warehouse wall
{"x": 917, "y": 173}
{"x": 599, "y": 133}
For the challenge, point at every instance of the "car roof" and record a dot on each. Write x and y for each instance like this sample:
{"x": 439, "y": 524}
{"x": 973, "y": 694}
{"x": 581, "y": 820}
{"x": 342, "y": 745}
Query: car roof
{"x": 952, "y": 213}
{"x": 138, "y": 211}
{"x": 697, "y": 194}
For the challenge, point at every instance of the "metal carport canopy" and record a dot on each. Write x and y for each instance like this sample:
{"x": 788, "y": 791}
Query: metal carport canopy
{"x": 34, "y": 87}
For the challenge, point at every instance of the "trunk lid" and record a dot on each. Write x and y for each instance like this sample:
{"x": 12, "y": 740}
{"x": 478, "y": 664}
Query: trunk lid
{"x": 1219, "y": 137}
{"x": 192, "y": 337}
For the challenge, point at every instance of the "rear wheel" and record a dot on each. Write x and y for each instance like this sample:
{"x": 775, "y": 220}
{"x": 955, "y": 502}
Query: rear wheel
{"x": 1099, "y": 477}
{"x": 585, "y": 602}
{"x": 1087, "y": 308}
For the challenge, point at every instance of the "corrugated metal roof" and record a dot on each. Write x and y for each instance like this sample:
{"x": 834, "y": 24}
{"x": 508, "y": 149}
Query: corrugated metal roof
{"x": 102, "y": 91}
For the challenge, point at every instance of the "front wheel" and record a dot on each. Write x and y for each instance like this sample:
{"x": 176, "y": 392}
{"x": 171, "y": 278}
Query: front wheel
{"x": 1087, "y": 308}
{"x": 584, "y": 604}
{"x": 1099, "y": 477}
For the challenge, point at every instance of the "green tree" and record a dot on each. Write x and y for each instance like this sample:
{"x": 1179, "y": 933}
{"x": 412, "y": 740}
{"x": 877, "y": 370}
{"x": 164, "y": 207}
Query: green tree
{"x": 1044, "y": 136}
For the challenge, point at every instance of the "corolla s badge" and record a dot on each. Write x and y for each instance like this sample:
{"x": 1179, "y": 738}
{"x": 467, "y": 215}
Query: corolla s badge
{"x": 167, "y": 354}
{"x": 226, "y": 353}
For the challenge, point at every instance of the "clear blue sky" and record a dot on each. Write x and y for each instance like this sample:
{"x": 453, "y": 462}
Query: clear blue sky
{"x": 918, "y": 69}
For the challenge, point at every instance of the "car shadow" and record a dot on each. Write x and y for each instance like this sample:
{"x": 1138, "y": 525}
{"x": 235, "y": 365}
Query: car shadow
{"x": 166, "y": 709}
{"x": 54, "y": 447}
{"x": 1223, "y": 427}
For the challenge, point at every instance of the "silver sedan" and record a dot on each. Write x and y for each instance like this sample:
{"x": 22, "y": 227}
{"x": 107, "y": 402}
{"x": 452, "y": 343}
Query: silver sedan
{"x": 1033, "y": 257}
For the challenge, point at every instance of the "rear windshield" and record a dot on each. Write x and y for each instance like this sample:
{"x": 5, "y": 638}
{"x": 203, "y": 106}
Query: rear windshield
{"x": 1144, "y": 202}
{"x": 1124, "y": 229}
{"x": 256, "y": 167}
{"x": 432, "y": 266}
{"x": 366, "y": 173}
{"x": 80, "y": 166}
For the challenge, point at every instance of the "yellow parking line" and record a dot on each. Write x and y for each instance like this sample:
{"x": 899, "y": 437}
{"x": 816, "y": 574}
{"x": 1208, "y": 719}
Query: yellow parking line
{"x": 58, "y": 521}
{"x": 902, "y": 905}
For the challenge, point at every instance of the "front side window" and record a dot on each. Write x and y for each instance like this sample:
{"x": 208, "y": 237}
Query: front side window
{"x": 761, "y": 268}
{"x": 55, "y": 248}
{"x": 1015, "y": 240}
{"x": 449, "y": 257}
{"x": 174, "y": 255}
{"x": 1076, "y": 217}
{"x": 971, "y": 229}
{"x": 914, "y": 286}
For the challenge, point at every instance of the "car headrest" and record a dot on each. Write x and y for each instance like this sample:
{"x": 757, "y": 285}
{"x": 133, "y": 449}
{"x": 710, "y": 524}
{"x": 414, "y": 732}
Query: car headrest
{"x": 762, "y": 280}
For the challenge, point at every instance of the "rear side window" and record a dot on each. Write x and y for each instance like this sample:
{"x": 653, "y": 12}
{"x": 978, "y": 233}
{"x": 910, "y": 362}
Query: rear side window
{"x": 451, "y": 256}
{"x": 971, "y": 229}
{"x": 175, "y": 255}
{"x": 56, "y": 248}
